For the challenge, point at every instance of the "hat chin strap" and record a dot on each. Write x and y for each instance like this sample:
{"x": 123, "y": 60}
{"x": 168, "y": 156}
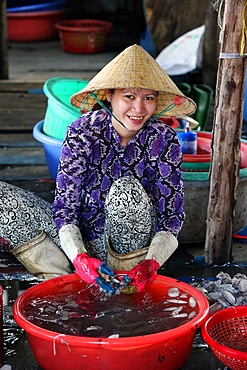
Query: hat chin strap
{"x": 158, "y": 115}
{"x": 107, "y": 109}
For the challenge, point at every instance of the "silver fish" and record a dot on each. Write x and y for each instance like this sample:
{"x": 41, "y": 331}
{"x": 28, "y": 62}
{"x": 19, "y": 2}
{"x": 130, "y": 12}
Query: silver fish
{"x": 225, "y": 290}
{"x": 173, "y": 292}
{"x": 177, "y": 310}
{"x": 192, "y": 302}
{"x": 229, "y": 297}
{"x": 89, "y": 328}
{"x": 180, "y": 315}
{"x": 241, "y": 301}
{"x": 241, "y": 284}
{"x": 217, "y": 306}
{"x": 178, "y": 301}
{"x": 170, "y": 309}
{"x": 184, "y": 295}
{"x": 192, "y": 314}
{"x": 224, "y": 277}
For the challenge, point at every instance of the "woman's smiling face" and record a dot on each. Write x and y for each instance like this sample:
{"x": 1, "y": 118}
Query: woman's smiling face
{"x": 133, "y": 107}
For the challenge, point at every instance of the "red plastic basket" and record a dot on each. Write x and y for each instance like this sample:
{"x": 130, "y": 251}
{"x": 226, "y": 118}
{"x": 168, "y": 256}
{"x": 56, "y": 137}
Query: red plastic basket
{"x": 83, "y": 36}
{"x": 226, "y": 334}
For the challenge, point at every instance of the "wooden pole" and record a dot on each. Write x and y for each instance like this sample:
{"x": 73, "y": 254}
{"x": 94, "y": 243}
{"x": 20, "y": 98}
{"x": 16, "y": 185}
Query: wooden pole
{"x": 227, "y": 129}
{"x": 4, "y": 70}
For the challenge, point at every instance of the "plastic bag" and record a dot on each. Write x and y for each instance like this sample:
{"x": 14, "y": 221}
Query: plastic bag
{"x": 184, "y": 54}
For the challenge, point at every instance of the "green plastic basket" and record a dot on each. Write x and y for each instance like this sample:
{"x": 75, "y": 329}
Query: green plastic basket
{"x": 60, "y": 113}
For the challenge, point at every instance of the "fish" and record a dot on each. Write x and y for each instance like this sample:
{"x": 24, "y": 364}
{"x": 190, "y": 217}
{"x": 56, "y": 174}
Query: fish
{"x": 171, "y": 308}
{"x": 111, "y": 336}
{"x": 173, "y": 292}
{"x": 178, "y": 301}
{"x": 217, "y": 306}
{"x": 225, "y": 291}
{"x": 89, "y": 328}
{"x": 192, "y": 314}
{"x": 177, "y": 310}
{"x": 192, "y": 302}
{"x": 180, "y": 315}
{"x": 229, "y": 297}
{"x": 240, "y": 284}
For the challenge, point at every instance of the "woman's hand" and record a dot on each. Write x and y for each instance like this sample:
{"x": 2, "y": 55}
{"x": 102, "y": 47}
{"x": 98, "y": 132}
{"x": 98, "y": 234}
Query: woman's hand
{"x": 90, "y": 270}
{"x": 143, "y": 274}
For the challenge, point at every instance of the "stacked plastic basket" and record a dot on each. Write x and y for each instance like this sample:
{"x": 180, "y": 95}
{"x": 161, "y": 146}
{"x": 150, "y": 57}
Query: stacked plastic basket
{"x": 59, "y": 114}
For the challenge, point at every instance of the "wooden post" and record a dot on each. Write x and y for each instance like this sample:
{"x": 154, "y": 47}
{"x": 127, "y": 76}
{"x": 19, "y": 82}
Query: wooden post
{"x": 4, "y": 74}
{"x": 227, "y": 129}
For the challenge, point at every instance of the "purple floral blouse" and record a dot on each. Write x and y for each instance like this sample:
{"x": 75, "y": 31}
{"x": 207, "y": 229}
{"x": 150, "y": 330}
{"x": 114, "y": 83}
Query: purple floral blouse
{"x": 92, "y": 159}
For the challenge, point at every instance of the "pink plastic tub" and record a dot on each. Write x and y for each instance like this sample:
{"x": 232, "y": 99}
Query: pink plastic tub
{"x": 164, "y": 350}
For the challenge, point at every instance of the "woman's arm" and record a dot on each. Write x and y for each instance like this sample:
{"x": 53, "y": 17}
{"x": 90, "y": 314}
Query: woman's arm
{"x": 169, "y": 195}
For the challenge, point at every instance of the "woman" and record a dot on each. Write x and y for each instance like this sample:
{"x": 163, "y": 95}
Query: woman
{"x": 119, "y": 191}
{"x": 119, "y": 187}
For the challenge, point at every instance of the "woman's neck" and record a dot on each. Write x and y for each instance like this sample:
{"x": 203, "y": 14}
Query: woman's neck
{"x": 125, "y": 135}
{"x": 124, "y": 141}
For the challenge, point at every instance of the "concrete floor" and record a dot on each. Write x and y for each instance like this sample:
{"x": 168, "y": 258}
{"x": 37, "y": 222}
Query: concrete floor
{"x": 44, "y": 60}
{"x": 239, "y": 252}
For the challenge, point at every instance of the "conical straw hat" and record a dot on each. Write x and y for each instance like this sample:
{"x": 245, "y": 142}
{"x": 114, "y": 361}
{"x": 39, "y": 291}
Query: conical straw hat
{"x": 135, "y": 68}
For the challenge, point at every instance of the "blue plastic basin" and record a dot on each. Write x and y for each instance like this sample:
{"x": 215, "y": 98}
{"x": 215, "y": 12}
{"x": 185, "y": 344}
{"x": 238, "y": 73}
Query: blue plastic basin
{"x": 52, "y": 148}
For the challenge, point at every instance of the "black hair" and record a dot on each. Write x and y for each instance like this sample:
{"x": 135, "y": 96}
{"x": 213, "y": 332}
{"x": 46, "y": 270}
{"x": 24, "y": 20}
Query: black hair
{"x": 97, "y": 105}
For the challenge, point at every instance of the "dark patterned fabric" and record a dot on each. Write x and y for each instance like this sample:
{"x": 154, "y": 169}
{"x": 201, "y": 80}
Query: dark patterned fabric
{"x": 92, "y": 159}
{"x": 130, "y": 216}
{"x": 130, "y": 220}
{"x": 23, "y": 214}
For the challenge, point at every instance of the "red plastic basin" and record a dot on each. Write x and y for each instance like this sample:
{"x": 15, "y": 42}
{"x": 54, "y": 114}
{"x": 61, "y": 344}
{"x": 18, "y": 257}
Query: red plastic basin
{"x": 201, "y": 161}
{"x": 34, "y": 26}
{"x": 203, "y": 149}
{"x": 170, "y": 121}
{"x": 164, "y": 350}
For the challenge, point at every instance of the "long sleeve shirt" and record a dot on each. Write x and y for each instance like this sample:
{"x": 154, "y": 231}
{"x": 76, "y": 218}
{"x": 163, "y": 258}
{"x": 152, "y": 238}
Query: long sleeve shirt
{"x": 92, "y": 159}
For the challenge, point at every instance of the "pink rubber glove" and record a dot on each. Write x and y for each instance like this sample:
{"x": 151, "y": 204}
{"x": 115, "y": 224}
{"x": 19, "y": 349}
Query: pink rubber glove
{"x": 143, "y": 274}
{"x": 88, "y": 269}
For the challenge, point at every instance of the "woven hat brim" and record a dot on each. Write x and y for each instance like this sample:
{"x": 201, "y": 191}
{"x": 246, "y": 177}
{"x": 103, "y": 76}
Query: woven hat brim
{"x": 135, "y": 68}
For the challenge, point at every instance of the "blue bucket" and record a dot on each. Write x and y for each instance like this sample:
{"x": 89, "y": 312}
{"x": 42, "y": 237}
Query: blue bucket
{"x": 52, "y": 148}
